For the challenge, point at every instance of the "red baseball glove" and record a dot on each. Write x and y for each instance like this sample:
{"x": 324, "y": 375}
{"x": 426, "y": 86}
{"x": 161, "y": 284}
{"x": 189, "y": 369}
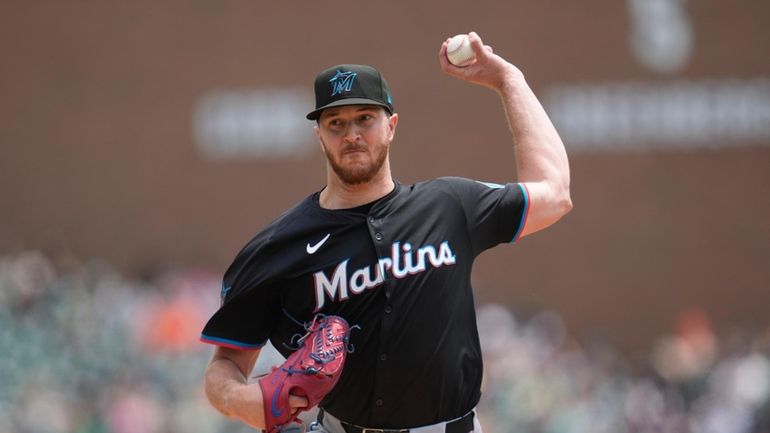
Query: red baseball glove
{"x": 311, "y": 371}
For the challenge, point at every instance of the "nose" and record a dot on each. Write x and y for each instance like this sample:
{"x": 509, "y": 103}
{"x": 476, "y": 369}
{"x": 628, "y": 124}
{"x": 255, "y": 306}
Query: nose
{"x": 352, "y": 133}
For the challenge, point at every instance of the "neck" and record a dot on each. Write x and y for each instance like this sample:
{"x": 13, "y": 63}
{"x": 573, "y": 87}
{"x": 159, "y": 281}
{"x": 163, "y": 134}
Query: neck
{"x": 339, "y": 195}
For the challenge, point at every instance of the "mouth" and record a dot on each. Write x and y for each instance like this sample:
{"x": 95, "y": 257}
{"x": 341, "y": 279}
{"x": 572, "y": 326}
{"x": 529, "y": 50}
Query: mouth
{"x": 354, "y": 149}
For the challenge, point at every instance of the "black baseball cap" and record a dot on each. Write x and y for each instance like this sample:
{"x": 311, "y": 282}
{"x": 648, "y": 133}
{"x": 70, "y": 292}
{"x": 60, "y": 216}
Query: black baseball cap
{"x": 350, "y": 85}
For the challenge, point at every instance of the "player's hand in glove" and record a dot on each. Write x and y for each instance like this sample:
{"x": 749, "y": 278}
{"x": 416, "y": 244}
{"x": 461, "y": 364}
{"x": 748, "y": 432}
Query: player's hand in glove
{"x": 310, "y": 372}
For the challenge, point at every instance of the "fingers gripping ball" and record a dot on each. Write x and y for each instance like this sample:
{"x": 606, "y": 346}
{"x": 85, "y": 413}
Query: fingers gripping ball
{"x": 459, "y": 51}
{"x": 311, "y": 371}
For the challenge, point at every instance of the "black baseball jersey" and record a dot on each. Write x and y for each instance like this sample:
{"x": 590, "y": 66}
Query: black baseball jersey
{"x": 399, "y": 268}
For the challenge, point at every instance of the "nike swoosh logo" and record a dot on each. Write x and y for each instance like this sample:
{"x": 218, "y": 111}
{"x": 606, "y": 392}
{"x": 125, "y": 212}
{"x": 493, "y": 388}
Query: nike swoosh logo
{"x": 274, "y": 409}
{"x": 311, "y": 249}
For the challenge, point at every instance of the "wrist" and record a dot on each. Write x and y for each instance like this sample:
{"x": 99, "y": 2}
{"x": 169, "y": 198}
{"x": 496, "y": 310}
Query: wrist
{"x": 512, "y": 82}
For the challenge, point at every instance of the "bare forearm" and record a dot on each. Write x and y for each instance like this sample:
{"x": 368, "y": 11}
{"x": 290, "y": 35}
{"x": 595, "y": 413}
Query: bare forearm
{"x": 540, "y": 153}
{"x": 228, "y": 390}
{"x": 220, "y": 379}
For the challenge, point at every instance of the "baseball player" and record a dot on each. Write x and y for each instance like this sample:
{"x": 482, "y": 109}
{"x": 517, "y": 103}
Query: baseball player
{"x": 392, "y": 259}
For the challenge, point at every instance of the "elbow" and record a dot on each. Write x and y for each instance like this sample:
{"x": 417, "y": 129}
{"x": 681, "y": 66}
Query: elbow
{"x": 560, "y": 209}
{"x": 559, "y": 198}
{"x": 563, "y": 202}
{"x": 560, "y": 206}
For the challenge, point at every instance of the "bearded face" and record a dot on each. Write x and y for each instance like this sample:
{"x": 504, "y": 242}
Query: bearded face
{"x": 356, "y": 164}
{"x": 356, "y": 140}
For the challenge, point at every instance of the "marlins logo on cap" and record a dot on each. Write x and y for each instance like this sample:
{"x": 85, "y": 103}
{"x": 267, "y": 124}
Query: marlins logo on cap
{"x": 350, "y": 85}
{"x": 342, "y": 82}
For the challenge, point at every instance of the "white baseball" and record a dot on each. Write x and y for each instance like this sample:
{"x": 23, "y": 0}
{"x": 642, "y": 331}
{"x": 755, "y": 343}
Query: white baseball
{"x": 459, "y": 51}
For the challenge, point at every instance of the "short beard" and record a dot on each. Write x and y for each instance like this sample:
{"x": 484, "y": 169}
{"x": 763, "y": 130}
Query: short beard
{"x": 358, "y": 175}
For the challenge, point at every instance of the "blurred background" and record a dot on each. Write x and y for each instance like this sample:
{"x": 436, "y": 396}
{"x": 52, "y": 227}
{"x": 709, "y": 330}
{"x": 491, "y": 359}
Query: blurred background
{"x": 143, "y": 143}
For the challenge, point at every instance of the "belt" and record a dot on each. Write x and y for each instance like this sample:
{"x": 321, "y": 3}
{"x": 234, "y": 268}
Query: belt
{"x": 464, "y": 424}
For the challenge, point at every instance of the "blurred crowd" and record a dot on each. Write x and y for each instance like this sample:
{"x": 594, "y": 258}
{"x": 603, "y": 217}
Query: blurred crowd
{"x": 87, "y": 350}
{"x": 540, "y": 380}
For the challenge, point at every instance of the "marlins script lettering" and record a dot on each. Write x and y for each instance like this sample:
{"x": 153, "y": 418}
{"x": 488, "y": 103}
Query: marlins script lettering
{"x": 403, "y": 261}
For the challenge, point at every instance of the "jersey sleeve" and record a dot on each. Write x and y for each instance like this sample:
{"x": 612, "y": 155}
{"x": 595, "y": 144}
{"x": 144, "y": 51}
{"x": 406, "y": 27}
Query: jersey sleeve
{"x": 495, "y": 213}
{"x": 250, "y": 301}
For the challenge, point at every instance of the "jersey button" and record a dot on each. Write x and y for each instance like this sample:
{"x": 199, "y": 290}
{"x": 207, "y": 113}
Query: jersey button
{"x": 379, "y": 402}
{"x": 378, "y": 236}
{"x": 388, "y": 310}
{"x": 383, "y": 357}
{"x": 371, "y": 220}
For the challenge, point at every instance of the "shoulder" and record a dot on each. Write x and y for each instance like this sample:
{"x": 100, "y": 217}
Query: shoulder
{"x": 260, "y": 256}
{"x": 280, "y": 226}
{"x": 459, "y": 186}
{"x": 446, "y": 183}
{"x": 443, "y": 192}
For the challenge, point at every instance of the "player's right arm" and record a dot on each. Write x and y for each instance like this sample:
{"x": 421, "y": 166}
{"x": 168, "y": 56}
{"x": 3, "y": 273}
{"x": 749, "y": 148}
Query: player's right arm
{"x": 541, "y": 159}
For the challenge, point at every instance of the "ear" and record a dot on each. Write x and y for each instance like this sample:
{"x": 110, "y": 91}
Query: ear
{"x": 317, "y": 131}
{"x": 392, "y": 123}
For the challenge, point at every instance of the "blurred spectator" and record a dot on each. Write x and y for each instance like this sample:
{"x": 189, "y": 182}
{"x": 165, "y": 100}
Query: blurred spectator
{"x": 689, "y": 352}
{"x": 89, "y": 351}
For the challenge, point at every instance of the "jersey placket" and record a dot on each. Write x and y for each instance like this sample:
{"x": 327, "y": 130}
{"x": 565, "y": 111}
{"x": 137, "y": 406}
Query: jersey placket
{"x": 382, "y": 241}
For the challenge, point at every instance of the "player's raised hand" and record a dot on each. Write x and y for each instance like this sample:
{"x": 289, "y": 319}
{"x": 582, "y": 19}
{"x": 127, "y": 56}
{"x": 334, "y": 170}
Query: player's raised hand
{"x": 488, "y": 69}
